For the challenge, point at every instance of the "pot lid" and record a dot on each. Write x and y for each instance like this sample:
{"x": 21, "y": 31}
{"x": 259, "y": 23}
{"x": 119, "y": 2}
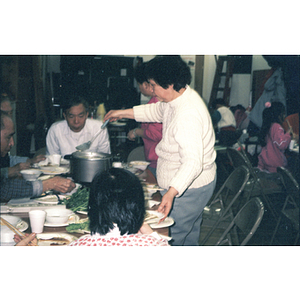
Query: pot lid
{"x": 91, "y": 155}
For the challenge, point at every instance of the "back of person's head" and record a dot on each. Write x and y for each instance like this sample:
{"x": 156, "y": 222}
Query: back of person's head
{"x": 169, "y": 69}
{"x": 116, "y": 197}
{"x": 273, "y": 113}
{"x": 140, "y": 74}
{"x": 218, "y": 101}
{"x": 74, "y": 101}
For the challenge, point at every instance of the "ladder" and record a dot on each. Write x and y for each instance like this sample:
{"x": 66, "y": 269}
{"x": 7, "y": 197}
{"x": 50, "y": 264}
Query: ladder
{"x": 224, "y": 69}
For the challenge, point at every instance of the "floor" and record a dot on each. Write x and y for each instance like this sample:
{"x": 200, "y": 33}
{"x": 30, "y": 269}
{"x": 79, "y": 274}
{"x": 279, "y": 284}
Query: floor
{"x": 286, "y": 233}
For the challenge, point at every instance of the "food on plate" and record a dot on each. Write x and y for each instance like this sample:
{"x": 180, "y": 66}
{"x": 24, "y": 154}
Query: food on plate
{"x": 152, "y": 216}
{"x": 54, "y": 241}
{"x": 82, "y": 226}
{"x": 79, "y": 200}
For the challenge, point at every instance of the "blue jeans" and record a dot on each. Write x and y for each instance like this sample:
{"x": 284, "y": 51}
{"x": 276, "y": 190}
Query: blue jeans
{"x": 187, "y": 213}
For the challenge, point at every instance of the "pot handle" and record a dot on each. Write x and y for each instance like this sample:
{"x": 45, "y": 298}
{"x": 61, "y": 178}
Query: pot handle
{"x": 68, "y": 156}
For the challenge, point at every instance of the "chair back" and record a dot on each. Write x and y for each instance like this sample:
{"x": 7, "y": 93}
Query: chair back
{"x": 244, "y": 224}
{"x": 225, "y": 199}
{"x": 289, "y": 182}
{"x": 137, "y": 153}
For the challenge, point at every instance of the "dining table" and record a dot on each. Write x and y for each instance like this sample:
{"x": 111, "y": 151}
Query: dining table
{"x": 146, "y": 177}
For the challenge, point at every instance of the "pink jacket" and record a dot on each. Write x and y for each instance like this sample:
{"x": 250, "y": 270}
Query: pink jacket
{"x": 152, "y": 136}
{"x": 272, "y": 155}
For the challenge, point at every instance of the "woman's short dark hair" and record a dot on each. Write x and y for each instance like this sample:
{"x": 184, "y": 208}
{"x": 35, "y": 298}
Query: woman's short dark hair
{"x": 140, "y": 74}
{"x": 116, "y": 197}
{"x": 169, "y": 69}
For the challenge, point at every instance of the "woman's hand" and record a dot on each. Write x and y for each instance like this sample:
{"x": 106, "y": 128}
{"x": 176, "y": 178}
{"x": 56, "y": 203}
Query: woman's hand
{"x": 167, "y": 202}
{"x": 115, "y": 115}
{"x": 24, "y": 241}
{"x": 131, "y": 136}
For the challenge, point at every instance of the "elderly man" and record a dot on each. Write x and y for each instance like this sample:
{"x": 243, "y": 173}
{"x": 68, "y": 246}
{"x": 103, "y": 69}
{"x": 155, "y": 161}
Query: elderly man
{"x": 64, "y": 136}
{"x": 11, "y": 165}
{"x": 18, "y": 187}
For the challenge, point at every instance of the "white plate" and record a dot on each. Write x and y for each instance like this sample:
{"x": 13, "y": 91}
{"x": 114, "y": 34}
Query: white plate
{"x": 16, "y": 222}
{"x": 72, "y": 219}
{"x": 54, "y": 170}
{"x": 50, "y": 199}
{"x": 166, "y": 223}
{"x": 151, "y": 203}
{"x": 82, "y": 212}
{"x": 42, "y": 236}
{"x": 157, "y": 214}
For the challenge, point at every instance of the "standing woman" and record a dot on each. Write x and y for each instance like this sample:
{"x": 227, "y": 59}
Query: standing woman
{"x": 186, "y": 166}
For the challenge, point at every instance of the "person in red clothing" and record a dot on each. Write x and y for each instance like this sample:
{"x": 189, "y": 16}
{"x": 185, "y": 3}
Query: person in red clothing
{"x": 273, "y": 139}
{"x": 151, "y": 133}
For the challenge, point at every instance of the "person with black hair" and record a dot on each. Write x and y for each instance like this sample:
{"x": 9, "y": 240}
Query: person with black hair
{"x": 64, "y": 136}
{"x": 273, "y": 139}
{"x": 186, "y": 167}
{"x": 116, "y": 211}
{"x": 11, "y": 165}
{"x": 151, "y": 133}
{"x": 18, "y": 187}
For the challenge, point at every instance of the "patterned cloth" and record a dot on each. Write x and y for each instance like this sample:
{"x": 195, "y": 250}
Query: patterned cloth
{"x": 123, "y": 240}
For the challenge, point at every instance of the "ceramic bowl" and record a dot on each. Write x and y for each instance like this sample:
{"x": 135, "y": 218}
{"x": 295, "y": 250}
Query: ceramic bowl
{"x": 58, "y": 215}
{"x": 31, "y": 174}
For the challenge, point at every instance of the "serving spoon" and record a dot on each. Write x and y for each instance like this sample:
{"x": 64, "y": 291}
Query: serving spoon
{"x": 88, "y": 144}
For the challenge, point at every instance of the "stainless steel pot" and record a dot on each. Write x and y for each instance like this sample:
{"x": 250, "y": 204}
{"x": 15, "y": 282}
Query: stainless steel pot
{"x": 85, "y": 165}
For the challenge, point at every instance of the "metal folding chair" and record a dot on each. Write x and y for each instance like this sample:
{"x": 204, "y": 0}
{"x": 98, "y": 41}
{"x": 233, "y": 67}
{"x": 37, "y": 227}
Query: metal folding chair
{"x": 258, "y": 185}
{"x": 220, "y": 209}
{"x": 137, "y": 153}
{"x": 291, "y": 204}
{"x": 244, "y": 224}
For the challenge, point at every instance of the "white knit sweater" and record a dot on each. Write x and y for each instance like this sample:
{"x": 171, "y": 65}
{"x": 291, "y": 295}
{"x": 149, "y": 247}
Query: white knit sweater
{"x": 186, "y": 155}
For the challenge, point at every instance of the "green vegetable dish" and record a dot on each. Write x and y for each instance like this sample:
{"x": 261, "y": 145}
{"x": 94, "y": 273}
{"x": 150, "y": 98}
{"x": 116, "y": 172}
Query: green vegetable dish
{"x": 82, "y": 227}
{"x": 79, "y": 200}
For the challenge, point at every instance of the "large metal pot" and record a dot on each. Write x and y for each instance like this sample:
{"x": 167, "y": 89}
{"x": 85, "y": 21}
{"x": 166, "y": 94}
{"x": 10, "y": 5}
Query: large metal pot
{"x": 85, "y": 165}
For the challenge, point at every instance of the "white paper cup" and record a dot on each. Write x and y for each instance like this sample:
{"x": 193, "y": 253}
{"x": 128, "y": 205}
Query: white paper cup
{"x": 37, "y": 220}
{"x": 292, "y": 144}
{"x": 117, "y": 165}
{"x": 55, "y": 159}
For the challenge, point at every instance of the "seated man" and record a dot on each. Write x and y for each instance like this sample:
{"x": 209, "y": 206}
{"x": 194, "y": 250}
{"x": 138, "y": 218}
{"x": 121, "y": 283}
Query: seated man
{"x": 64, "y": 136}
{"x": 11, "y": 165}
{"x": 18, "y": 187}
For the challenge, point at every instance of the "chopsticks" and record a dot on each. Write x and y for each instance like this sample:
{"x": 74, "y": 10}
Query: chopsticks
{"x": 15, "y": 230}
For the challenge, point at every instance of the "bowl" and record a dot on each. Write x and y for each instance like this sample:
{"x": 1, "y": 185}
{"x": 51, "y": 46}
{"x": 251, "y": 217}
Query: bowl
{"x": 31, "y": 174}
{"x": 142, "y": 165}
{"x": 58, "y": 215}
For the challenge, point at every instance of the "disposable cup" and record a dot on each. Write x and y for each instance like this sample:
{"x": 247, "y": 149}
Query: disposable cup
{"x": 55, "y": 159}
{"x": 37, "y": 220}
{"x": 292, "y": 144}
{"x": 117, "y": 165}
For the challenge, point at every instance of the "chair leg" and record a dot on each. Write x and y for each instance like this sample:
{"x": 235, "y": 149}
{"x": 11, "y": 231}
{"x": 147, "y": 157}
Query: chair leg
{"x": 275, "y": 231}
